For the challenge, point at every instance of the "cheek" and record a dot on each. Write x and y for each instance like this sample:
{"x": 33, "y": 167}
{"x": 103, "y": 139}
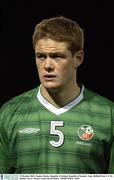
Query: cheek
{"x": 39, "y": 67}
{"x": 37, "y": 64}
{"x": 65, "y": 70}
{"x": 39, "y": 70}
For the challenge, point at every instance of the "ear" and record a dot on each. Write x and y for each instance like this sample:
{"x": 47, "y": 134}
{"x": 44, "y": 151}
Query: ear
{"x": 79, "y": 56}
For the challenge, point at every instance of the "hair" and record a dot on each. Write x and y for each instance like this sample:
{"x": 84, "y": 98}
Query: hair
{"x": 60, "y": 29}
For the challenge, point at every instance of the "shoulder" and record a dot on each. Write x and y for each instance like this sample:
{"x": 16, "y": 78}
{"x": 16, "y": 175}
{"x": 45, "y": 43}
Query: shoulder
{"x": 91, "y": 94}
{"x": 20, "y": 101}
{"x": 98, "y": 102}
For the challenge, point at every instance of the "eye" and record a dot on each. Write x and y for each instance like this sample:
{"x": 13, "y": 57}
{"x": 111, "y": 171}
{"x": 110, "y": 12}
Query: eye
{"x": 58, "y": 56}
{"x": 40, "y": 56}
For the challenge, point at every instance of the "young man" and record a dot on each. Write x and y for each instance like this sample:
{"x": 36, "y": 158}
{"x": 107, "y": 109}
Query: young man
{"x": 60, "y": 126}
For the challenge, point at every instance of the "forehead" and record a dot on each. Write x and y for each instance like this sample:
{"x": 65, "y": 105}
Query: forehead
{"x": 47, "y": 44}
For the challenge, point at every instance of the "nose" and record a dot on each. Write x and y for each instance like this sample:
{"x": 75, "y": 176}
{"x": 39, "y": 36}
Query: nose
{"x": 49, "y": 65}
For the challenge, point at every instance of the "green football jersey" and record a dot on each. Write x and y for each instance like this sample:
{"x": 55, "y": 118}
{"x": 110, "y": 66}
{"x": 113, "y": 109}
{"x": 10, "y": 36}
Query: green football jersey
{"x": 36, "y": 137}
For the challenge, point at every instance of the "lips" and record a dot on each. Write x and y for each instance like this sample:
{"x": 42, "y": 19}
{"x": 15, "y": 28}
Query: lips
{"x": 49, "y": 76}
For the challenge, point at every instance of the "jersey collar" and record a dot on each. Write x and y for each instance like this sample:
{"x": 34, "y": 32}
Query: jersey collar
{"x": 56, "y": 110}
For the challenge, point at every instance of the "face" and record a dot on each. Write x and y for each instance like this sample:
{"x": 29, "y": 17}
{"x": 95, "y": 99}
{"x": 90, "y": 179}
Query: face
{"x": 56, "y": 65}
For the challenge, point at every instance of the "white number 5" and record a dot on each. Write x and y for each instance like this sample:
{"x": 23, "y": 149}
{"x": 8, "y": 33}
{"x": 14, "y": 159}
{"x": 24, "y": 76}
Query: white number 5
{"x": 53, "y": 131}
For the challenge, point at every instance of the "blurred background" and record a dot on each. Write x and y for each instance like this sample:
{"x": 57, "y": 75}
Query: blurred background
{"x": 18, "y": 71}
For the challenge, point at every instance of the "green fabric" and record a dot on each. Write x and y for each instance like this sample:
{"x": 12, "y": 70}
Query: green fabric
{"x": 27, "y": 150}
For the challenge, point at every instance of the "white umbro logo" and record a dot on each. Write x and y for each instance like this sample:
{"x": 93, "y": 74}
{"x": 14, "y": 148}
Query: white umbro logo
{"x": 29, "y": 130}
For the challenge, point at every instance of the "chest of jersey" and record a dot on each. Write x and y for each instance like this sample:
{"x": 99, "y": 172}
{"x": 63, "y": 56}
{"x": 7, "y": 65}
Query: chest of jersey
{"x": 68, "y": 143}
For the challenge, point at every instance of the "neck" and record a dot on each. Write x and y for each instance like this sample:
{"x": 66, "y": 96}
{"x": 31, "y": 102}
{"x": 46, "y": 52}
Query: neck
{"x": 62, "y": 97}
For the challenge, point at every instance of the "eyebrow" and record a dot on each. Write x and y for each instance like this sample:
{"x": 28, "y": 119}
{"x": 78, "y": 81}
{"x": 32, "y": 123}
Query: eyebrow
{"x": 52, "y": 54}
{"x": 40, "y": 53}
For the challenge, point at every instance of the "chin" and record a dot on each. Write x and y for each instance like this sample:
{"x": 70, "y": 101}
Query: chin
{"x": 51, "y": 87}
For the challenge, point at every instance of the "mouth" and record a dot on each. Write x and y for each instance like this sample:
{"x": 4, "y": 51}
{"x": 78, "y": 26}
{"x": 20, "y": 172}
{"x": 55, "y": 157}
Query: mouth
{"x": 49, "y": 77}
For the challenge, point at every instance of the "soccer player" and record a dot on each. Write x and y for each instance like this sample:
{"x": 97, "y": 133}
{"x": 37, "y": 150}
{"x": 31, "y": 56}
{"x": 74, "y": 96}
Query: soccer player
{"x": 60, "y": 126}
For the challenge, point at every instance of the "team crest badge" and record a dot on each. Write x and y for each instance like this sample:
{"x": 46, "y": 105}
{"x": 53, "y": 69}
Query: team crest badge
{"x": 85, "y": 132}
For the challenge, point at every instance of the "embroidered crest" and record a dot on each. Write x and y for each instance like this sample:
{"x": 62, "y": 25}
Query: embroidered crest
{"x": 85, "y": 132}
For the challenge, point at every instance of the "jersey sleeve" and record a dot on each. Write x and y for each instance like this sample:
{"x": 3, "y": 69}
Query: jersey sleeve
{"x": 4, "y": 145}
{"x": 111, "y": 161}
{"x": 111, "y": 165}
